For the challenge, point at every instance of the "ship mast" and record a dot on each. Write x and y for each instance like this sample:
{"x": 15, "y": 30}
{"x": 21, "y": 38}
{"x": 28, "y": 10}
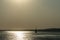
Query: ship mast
{"x": 35, "y": 29}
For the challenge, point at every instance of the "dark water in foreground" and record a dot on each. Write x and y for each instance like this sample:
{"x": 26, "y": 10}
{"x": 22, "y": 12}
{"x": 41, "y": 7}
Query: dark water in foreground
{"x": 29, "y": 35}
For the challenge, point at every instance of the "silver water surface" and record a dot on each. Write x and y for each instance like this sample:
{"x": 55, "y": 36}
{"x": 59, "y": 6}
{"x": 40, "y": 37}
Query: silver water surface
{"x": 17, "y": 35}
{"x": 29, "y": 35}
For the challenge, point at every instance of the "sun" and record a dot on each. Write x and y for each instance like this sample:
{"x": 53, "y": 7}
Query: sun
{"x": 20, "y": 1}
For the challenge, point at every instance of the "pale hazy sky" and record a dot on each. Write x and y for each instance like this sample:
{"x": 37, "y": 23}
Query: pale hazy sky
{"x": 16, "y": 14}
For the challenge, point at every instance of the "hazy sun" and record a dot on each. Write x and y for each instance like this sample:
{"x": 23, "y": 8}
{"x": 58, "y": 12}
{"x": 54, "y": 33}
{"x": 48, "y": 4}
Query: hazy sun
{"x": 20, "y": 1}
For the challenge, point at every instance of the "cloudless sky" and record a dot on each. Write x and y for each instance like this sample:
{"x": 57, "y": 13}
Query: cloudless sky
{"x": 28, "y": 14}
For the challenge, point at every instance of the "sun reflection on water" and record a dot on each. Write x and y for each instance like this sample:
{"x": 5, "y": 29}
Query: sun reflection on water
{"x": 19, "y": 35}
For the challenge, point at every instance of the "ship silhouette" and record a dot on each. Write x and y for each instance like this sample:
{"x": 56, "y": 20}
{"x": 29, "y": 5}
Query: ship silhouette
{"x": 36, "y": 30}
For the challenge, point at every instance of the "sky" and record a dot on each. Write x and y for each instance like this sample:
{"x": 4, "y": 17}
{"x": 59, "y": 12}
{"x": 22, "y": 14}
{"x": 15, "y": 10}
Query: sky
{"x": 28, "y": 14}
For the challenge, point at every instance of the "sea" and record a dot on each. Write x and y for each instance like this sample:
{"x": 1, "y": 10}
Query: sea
{"x": 29, "y": 35}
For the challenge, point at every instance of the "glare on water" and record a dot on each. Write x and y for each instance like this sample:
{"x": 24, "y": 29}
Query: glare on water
{"x": 29, "y": 35}
{"x": 19, "y": 35}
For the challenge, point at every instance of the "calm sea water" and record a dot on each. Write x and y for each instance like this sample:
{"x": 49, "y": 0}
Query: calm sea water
{"x": 29, "y": 35}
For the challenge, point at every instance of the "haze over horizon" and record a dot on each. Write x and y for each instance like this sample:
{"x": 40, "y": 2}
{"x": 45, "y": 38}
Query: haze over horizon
{"x": 28, "y": 14}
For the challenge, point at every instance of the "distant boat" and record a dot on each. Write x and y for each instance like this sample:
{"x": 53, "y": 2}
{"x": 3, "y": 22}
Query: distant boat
{"x": 36, "y": 30}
